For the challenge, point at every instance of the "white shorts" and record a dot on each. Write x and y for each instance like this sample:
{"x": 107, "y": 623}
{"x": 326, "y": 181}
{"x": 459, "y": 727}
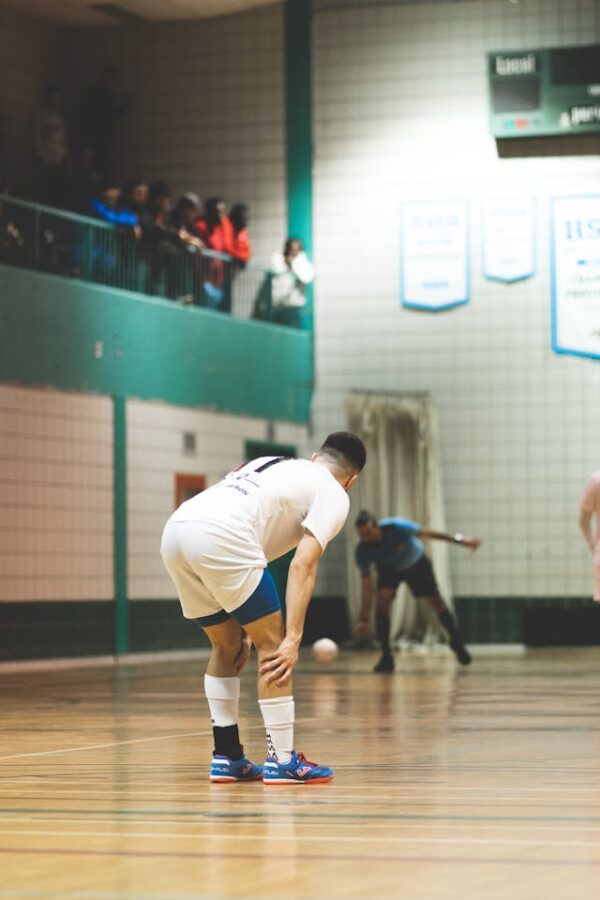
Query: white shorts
{"x": 198, "y": 557}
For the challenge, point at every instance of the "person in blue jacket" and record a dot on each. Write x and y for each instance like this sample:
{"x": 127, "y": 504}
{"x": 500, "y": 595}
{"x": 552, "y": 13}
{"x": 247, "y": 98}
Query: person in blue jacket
{"x": 395, "y": 547}
{"x": 106, "y": 207}
{"x": 113, "y": 254}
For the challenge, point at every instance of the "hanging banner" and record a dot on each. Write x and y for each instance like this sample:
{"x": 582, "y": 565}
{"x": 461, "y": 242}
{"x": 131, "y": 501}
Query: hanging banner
{"x": 575, "y": 266}
{"x": 434, "y": 255}
{"x": 508, "y": 239}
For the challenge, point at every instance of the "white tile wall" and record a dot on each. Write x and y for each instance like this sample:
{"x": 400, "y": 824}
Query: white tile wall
{"x": 27, "y": 64}
{"x": 207, "y": 111}
{"x": 56, "y": 481}
{"x": 401, "y": 112}
{"x": 55, "y": 495}
{"x": 155, "y": 454}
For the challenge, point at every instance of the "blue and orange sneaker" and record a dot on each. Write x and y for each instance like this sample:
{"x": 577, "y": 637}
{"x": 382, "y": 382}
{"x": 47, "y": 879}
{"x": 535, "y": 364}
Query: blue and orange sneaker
{"x": 297, "y": 771}
{"x": 224, "y": 770}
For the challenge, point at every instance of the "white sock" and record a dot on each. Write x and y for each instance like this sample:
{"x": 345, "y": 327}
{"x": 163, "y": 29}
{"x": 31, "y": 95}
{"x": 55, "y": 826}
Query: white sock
{"x": 278, "y": 716}
{"x": 223, "y": 695}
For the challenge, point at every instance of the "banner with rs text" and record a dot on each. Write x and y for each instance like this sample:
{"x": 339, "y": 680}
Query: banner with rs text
{"x": 575, "y": 270}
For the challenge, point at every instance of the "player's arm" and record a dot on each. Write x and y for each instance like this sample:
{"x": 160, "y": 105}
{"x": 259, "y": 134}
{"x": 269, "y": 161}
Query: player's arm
{"x": 472, "y": 543}
{"x": 302, "y": 575}
{"x": 585, "y": 524}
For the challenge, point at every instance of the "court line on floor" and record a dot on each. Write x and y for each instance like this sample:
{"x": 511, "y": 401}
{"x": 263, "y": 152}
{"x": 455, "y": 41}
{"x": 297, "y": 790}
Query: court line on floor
{"x": 292, "y": 823}
{"x": 341, "y": 839}
{"x": 110, "y": 895}
{"x": 454, "y": 769}
{"x": 126, "y": 796}
{"x": 41, "y": 781}
{"x": 165, "y": 737}
{"x": 107, "y": 744}
{"x": 293, "y": 857}
{"x": 249, "y": 826}
{"x": 236, "y": 816}
{"x": 161, "y": 737}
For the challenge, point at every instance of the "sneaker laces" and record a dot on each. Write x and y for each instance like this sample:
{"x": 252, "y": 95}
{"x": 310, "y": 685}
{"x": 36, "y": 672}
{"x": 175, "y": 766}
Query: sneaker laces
{"x": 303, "y": 759}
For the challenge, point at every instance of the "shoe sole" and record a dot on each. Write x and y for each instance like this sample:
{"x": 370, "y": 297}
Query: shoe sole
{"x": 294, "y": 781}
{"x": 229, "y": 779}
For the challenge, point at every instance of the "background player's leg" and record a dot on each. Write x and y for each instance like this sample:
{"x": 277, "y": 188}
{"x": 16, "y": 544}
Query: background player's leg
{"x": 222, "y": 688}
{"x": 438, "y": 604}
{"x": 422, "y": 582}
{"x": 385, "y": 597}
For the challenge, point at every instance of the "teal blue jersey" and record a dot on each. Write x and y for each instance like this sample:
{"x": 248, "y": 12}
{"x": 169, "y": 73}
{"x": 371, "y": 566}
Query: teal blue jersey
{"x": 400, "y": 547}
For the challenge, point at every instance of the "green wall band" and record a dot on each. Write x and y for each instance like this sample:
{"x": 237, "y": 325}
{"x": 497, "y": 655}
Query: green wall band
{"x": 83, "y": 337}
{"x": 299, "y": 141}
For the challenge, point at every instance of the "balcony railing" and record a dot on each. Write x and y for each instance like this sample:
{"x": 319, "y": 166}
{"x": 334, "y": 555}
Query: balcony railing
{"x": 74, "y": 246}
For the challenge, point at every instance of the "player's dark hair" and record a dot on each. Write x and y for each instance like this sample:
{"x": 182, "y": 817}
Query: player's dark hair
{"x": 364, "y": 518}
{"x": 345, "y": 448}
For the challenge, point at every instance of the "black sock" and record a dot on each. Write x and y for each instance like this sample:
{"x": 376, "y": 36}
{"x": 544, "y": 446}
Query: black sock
{"x": 382, "y": 629}
{"x": 449, "y": 623}
{"x": 227, "y": 741}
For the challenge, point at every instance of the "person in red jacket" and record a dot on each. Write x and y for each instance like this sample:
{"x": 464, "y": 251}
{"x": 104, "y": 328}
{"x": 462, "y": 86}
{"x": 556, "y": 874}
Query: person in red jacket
{"x": 214, "y": 227}
{"x": 215, "y": 231}
{"x": 241, "y": 249}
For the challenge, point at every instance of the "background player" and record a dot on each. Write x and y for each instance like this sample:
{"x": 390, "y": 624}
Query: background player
{"x": 395, "y": 548}
{"x": 216, "y": 547}
{"x": 590, "y": 506}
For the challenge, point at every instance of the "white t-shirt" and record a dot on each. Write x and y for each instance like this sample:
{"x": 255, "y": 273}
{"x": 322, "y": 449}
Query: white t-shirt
{"x": 288, "y": 287}
{"x": 263, "y": 507}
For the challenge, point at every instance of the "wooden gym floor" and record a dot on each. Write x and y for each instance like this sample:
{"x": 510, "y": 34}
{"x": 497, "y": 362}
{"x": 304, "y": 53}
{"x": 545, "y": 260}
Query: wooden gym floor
{"x": 449, "y": 784}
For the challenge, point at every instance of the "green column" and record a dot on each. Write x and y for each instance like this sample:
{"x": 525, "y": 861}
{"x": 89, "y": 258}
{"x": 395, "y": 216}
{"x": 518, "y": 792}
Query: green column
{"x": 121, "y": 612}
{"x": 298, "y": 104}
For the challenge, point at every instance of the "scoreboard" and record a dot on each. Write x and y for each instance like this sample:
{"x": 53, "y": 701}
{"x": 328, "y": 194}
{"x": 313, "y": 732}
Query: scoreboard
{"x": 544, "y": 92}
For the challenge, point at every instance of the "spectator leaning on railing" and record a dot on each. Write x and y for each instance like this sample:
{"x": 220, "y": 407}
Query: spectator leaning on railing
{"x": 134, "y": 199}
{"x": 183, "y": 220}
{"x": 292, "y": 271}
{"x": 241, "y": 249}
{"x": 106, "y": 206}
{"x": 181, "y": 270}
{"x": 159, "y": 235}
{"x": 214, "y": 227}
{"x": 113, "y": 254}
{"x": 160, "y": 201}
{"x": 215, "y": 231}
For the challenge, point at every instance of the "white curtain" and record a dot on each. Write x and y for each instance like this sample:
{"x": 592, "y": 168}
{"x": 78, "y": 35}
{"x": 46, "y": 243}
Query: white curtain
{"x": 402, "y": 478}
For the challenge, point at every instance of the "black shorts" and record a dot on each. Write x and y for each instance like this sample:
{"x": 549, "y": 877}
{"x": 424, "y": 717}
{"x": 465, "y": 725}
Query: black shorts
{"x": 419, "y": 577}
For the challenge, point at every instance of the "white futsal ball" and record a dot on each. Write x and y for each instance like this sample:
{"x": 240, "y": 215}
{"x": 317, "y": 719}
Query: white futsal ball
{"x": 325, "y": 650}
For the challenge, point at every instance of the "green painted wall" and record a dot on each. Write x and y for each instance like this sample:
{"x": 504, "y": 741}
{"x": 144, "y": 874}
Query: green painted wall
{"x": 299, "y": 139}
{"x": 298, "y": 92}
{"x": 51, "y": 331}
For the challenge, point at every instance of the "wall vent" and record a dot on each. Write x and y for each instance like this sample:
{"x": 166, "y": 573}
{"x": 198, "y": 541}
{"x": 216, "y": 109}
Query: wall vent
{"x": 189, "y": 443}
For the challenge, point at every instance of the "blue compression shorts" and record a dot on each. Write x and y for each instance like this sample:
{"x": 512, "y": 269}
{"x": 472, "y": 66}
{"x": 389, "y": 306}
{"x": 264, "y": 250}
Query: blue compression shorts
{"x": 264, "y": 601}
